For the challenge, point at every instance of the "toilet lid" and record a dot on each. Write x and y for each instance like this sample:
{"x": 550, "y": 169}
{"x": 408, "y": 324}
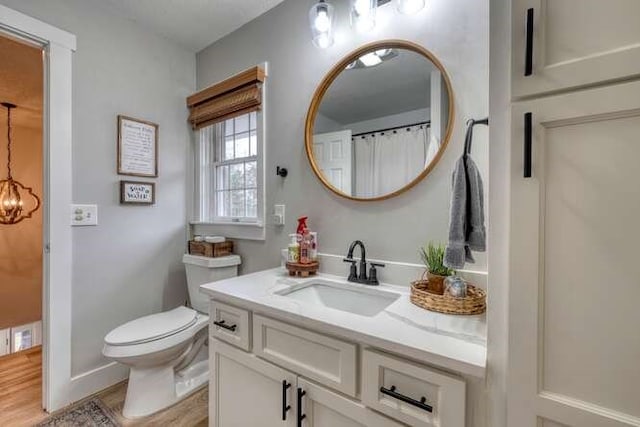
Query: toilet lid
{"x": 152, "y": 327}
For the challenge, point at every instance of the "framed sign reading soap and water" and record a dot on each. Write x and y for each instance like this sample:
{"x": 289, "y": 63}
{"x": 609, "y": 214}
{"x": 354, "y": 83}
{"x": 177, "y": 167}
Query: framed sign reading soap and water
{"x": 137, "y": 192}
{"x": 137, "y": 156}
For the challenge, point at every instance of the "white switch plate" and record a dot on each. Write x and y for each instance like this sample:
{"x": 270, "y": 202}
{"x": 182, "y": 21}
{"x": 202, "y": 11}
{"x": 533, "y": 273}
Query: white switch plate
{"x": 278, "y": 214}
{"x": 82, "y": 215}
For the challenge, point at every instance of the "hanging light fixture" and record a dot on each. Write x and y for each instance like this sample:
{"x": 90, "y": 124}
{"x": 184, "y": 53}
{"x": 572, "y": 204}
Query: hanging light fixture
{"x": 321, "y": 22}
{"x": 409, "y": 7}
{"x": 13, "y": 192}
{"x": 363, "y": 14}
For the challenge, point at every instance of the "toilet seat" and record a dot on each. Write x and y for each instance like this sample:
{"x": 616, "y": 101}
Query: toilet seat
{"x": 152, "y": 327}
{"x": 166, "y": 342}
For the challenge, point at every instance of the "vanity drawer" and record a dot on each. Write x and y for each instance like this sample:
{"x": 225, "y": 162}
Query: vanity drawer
{"x": 395, "y": 387}
{"x": 230, "y": 324}
{"x": 327, "y": 360}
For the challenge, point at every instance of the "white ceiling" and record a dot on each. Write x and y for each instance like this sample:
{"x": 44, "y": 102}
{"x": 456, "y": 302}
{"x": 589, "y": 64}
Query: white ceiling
{"x": 398, "y": 85}
{"x": 194, "y": 24}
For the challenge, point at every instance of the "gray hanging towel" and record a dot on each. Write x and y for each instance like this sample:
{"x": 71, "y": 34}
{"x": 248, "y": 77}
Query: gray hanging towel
{"x": 466, "y": 223}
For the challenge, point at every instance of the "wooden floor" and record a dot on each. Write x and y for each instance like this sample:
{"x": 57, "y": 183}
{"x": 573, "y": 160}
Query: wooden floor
{"x": 21, "y": 396}
{"x": 21, "y": 388}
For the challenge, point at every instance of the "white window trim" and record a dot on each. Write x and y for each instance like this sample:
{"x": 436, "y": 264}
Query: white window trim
{"x": 249, "y": 230}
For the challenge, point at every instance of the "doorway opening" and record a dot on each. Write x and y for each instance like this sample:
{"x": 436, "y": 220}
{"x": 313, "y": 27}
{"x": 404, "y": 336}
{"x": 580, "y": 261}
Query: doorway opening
{"x": 21, "y": 229}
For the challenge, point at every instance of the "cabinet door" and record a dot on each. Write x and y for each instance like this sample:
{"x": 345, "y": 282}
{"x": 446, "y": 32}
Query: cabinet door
{"x": 574, "y": 270}
{"x": 574, "y": 43}
{"x": 246, "y": 391}
{"x": 323, "y": 408}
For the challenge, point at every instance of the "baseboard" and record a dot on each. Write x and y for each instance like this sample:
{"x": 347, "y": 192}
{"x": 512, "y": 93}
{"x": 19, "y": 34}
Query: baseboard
{"x": 95, "y": 380}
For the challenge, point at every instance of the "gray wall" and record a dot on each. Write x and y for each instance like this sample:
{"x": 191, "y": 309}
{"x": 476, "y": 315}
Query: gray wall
{"x": 129, "y": 265}
{"x": 458, "y": 34}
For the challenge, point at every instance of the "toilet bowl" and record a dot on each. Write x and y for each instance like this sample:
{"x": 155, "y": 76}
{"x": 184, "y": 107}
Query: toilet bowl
{"x": 167, "y": 352}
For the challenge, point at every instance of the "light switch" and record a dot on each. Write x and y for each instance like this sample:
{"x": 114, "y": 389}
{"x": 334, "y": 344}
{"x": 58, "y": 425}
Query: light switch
{"x": 278, "y": 214}
{"x": 82, "y": 215}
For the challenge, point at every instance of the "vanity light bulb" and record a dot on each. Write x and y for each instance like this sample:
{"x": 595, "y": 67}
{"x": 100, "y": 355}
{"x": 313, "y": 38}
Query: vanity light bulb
{"x": 361, "y": 7}
{"x": 363, "y": 14}
{"x": 409, "y": 7}
{"x": 322, "y": 22}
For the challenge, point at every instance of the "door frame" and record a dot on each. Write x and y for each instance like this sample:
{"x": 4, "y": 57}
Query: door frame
{"x": 58, "y": 46}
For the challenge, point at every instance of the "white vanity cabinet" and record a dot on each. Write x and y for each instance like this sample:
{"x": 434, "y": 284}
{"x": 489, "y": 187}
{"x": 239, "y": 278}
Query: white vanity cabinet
{"x": 296, "y": 377}
{"x": 246, "y": 391}
{"x": 322, "y": 407}
{"x": 573, "y": 43}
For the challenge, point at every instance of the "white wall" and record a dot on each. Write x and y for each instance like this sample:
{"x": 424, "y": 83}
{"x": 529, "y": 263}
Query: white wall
{"x": 129, "y": 265}
{"x": 394, "y": 229}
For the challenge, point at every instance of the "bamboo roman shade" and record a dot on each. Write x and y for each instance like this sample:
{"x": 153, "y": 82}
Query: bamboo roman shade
{"x": 237, "y": 95}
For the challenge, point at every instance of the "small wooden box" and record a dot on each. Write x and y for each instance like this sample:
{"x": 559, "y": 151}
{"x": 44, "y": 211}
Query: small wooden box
{"x": 212, "y": 250}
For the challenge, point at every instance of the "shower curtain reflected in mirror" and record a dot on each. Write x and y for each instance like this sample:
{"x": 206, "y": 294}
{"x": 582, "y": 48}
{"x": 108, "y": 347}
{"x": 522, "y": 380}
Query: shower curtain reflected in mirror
{"x": 387, "y": 161}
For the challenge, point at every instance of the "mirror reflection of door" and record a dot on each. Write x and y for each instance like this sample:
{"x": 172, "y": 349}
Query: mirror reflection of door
{"x": 333, "y": 154}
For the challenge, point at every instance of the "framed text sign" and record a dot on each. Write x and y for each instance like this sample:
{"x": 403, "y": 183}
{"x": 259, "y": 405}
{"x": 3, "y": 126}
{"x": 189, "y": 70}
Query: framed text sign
{"x": 137, "y": 192}
{"x": 137, "y": 147}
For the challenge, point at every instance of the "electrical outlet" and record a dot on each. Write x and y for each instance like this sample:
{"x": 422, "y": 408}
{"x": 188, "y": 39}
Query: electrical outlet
{"x": 83, "y": 215}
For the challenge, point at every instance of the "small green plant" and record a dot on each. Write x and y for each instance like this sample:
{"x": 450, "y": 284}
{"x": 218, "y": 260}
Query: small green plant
{"x": 433, "y": 257}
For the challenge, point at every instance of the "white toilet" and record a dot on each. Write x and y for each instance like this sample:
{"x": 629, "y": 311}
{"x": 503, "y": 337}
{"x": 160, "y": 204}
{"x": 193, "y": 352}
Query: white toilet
{"x": 166, "y": 352}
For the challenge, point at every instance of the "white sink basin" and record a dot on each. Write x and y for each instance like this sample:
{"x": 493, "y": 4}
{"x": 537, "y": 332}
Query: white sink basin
{"x": 356, "y": 299}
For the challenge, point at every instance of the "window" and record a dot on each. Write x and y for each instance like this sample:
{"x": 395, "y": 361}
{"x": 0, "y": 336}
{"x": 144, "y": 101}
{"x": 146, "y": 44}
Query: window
{"x": 228, "y": 180}
{"x": 229, "y": 170}
{"x": 236, "y": 169}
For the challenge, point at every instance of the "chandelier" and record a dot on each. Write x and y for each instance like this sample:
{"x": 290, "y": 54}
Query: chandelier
{"x": 12, "y": 192}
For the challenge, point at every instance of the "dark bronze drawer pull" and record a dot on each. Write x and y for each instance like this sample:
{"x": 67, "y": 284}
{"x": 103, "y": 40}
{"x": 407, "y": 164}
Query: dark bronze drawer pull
{"x": 417, "y": 403}
{"x": 224, "y": 325}
{"x": 301, "y": 415}
{"x": 285, "y": 407}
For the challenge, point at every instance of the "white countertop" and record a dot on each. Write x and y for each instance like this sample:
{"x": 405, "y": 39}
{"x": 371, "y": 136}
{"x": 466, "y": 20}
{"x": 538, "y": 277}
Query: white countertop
{"x": 456, "y": 343}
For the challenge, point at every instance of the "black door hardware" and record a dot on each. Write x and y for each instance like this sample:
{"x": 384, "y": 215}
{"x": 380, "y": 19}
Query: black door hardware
{"x": 283, "y": 172}
{"x": 528, "y": 119}
{"x": 285, "y": 407}
{"x": 528, "y": 55}
{"x": 224, "y": 325}
{"x": 301, "y": 416}
{"x": 417, "y": 403}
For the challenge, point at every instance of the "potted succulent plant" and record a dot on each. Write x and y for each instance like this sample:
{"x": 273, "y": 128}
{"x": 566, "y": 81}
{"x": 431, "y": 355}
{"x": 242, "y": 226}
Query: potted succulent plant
{"x": 433, "y": 258}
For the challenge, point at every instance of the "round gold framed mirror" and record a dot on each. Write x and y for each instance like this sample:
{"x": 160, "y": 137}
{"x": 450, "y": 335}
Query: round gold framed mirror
{"x": 379, "y": 121}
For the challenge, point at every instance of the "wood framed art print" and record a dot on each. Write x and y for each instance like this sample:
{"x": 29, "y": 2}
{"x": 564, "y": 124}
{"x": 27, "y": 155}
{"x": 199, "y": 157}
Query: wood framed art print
{"x": 137, "y": 193}
{"x": 137, "y": 147}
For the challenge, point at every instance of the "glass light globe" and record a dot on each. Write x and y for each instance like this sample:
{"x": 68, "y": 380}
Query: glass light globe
{"x": 321, "y": 23}
{"x": 409, "y": 7}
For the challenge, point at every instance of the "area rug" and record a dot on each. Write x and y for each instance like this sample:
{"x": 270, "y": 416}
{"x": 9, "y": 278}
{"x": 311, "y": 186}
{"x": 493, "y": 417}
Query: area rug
{"x": 91, "y": 413}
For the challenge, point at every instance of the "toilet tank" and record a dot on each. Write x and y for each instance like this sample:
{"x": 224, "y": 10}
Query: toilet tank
{"x": 201, "y": 270}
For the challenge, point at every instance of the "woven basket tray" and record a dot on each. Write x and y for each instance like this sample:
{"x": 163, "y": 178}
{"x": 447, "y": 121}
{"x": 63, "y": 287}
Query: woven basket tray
{"x": 474, "y": 303}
